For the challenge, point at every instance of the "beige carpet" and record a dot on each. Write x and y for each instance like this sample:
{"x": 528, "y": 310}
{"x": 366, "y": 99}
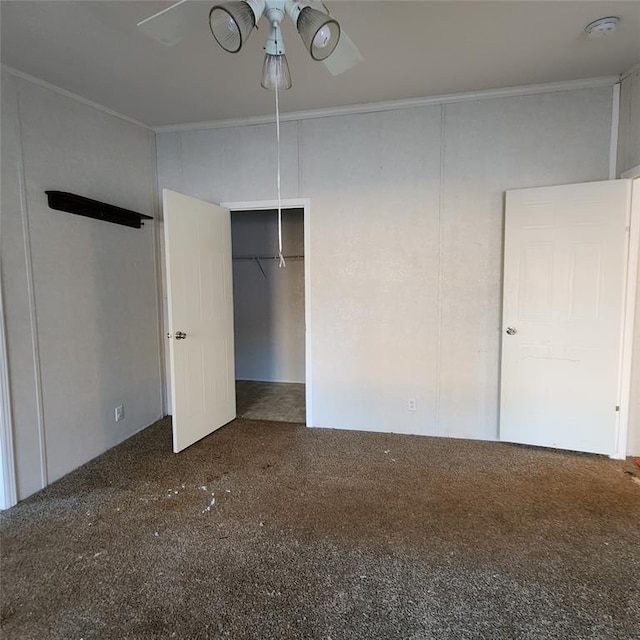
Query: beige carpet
{"x": 271, "y": 530}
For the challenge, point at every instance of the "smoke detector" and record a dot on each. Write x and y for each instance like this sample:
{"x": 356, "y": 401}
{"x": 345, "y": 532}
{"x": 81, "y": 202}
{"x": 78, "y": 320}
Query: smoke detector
{"x": 602, "y": 27}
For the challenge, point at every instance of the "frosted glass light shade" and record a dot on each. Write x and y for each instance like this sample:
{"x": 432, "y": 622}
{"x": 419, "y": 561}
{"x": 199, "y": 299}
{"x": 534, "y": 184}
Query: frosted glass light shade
{"x": 319, "y": 32}
{"x": 231, "y": 24}
{"x": 275, "y": 72}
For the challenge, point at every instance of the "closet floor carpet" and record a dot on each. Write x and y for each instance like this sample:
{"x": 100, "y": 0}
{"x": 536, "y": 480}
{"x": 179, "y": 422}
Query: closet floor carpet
{"x": 276, "y": 401}
{"x": 271, "y": 530}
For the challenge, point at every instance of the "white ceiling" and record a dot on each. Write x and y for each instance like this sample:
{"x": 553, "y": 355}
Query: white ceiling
{"x": 411, "y": 49}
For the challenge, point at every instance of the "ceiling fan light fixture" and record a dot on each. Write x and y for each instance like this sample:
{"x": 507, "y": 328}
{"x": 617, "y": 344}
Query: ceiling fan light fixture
{"x": 231, "y": 24}
{"x": 275, "y": 72}
{"x": 319, "y": 32}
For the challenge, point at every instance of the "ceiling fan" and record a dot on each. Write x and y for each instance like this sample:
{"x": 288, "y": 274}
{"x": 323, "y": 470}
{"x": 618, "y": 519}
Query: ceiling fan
{"x": 232, "y": 23}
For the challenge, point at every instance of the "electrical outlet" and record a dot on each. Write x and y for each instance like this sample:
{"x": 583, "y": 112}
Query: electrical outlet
{"x": 119, "y": 413}
{"x": 411, "y": 404}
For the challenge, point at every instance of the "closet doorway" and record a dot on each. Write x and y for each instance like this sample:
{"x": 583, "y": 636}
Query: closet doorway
{"x": 270, "y": 308}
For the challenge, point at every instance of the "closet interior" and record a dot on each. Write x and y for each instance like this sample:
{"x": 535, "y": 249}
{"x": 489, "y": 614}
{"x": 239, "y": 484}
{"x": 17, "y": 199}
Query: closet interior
{"x": 269, "y": 315}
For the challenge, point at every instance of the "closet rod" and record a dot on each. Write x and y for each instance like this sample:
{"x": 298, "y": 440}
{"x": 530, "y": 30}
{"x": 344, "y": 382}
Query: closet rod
{"x": 267, "y": 257}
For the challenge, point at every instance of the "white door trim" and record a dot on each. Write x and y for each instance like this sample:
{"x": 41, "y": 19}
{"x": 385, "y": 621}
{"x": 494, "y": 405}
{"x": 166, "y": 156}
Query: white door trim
{"x": 628, "y": 314}
{"x": 304, "y": 203}
{"x": 9, "y": 494}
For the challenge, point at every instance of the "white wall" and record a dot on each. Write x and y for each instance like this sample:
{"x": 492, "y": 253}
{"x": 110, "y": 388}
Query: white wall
{"x": 406, "y": 239}
{"x": 628, "y": 158}
{"x": 268, "y": 308}
{"x": 80, "y": 297}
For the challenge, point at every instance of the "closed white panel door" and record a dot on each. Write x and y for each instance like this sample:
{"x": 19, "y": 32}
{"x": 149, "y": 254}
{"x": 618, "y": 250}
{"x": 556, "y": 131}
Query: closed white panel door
{"x": 564, "y": 274}
{"x": 200, "y": 301}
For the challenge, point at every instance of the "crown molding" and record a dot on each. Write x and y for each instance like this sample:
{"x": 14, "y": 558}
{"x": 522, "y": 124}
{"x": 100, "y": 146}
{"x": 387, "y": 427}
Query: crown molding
{"x": 74, "y": 96}
{"x": 392, "y": 105}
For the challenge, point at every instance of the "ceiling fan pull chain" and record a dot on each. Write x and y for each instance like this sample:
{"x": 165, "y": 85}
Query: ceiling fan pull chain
{"x": 282, "y": 262}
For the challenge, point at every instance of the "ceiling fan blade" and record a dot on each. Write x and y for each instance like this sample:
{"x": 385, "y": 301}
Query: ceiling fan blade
{"x": 344, "y": 57}
{"x": 174, "y": 23}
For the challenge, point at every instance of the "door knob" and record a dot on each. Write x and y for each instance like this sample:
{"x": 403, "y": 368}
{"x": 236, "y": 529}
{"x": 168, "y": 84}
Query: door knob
{"x": 180, "y": 335}
{"x": 511, "y": 331}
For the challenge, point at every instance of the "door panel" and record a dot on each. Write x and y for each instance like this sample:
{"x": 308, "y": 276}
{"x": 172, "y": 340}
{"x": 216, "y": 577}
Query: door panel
{"x": 199, "y": 287}
{"x": 563, "y": 296}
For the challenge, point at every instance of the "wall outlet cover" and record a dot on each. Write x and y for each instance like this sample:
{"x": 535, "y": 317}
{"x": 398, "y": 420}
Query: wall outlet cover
{"x": 119, "y": 413}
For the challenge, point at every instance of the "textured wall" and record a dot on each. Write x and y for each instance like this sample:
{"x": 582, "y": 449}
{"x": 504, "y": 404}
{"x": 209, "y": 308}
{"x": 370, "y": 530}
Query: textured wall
{"x": 80, "y": 294}
{"x": 406, "y": 240}
{"x": 15, "y": 286}
{"x": 268, "y": 308}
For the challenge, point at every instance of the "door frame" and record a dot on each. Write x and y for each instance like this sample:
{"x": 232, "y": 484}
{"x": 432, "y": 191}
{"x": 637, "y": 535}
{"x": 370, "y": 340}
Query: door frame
{"x": 294, "y": 203}
{"x": 629, "y": 320}
{"x": 8, "y": 489}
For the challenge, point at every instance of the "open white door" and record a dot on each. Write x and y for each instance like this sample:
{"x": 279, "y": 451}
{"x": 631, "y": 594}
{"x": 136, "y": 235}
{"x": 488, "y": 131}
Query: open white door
{"x": 200, "y": 301}
{"x": 564, "y": 279}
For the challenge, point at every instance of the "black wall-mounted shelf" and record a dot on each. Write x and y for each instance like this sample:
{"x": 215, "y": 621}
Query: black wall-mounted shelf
{"x": 81, "y": 206}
